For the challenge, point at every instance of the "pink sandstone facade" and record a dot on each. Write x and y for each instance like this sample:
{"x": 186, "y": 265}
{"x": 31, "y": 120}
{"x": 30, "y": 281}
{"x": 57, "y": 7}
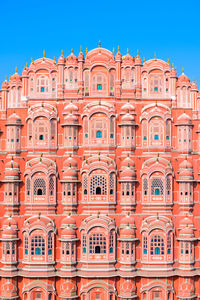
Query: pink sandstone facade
{"x": 99, "y": 180}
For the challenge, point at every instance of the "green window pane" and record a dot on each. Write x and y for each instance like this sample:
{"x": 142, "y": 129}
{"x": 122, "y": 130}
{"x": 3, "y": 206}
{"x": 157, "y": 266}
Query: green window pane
{"x": 42, "y": 89}
{"x": 156, "y": 89}
{"x": 99, "y": 87}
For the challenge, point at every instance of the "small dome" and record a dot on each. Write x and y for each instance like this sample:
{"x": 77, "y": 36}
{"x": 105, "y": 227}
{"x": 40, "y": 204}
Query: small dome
{"x": 127, "y": 232}
{"x": 5, "y": 85}
{"x": 12, "y": 170}
{"x": 9, "y": 222}
{"x": 128, "y": 162}
{"x": 70, "y": 162}
{"x": 127, "y": 107}
{"x": 127, "y": 221}
{"x": 183, "y": 78}
{"x": 16, "y": 77}
{"x": 68, "y": 232}
{"x": 187, "y": 232}
{"x": 185, "y": 165}
{"x": 70, "y": 108}
{"x": 70, "y": 173}
{"x": 9, "y": 232}
{"x": 128, "y": 173}
{"x": 14, "y": 119}
{"x": 118, "y": 56}
{"x": 71, "y": 57}
{"x": 184, "y": 119}
{"x": 138, "y": 60}
{"x": 61, "y": 59}
{"x": 186, "y": 222}
{"x": 128, "y": 118}
{"x": 81, "y": 56}
{"x": 71, "y": 119}
{"x": 68, "y": 221}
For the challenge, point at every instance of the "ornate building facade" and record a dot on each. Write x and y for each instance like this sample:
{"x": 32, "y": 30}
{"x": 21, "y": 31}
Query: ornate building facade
{"x": 99, "y": 181}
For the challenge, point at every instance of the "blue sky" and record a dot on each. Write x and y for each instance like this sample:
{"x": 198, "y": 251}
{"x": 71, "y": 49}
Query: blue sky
{"x": 169, "y": 28}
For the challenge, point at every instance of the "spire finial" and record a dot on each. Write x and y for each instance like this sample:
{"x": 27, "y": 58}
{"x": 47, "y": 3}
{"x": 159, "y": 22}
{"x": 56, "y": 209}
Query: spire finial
{"x": 144, "y": 60}
{"x": 113, "y": 50}
{"x": 61, "y": 52}
{"x": 54, "y": 59}
{"x": 39, "y": 214}
{"x": 26, "y": 64}
{"x": 99, "y": 44}
{"x": 168, "y": 61}
{"x": 182, "y": 70}
{"x": 15, "y": 69}
{"x": 98, "y": 213}
{"x": 86, "y": 50}
{"x": 81, "y": 49}
{"x": 172, "y": 66}
{"x": 118, "y": 48}
{"x": 127, "y": 51}
{"x": 44, "y": 54}
{"x": 72, "y": 50}
{"x": 155, "y": 56}
{"x": 6, "y": 78}
{"x": 193, "y": 80}
{"x": 32, "y": 60}
{"x": 137, "y": 52}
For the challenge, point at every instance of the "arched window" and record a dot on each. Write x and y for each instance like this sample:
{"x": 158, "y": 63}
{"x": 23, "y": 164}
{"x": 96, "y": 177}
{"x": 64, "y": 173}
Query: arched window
{"x": 37, "y": 245}
{"x": 28, "y": 186}
{"x": 50, "y": 244}
{"x": 26, "y": 245}
{"x": 51, "y": 186}
{"x": 145, "y": 245}
{"x": 97, "y": 243}
{"x": 99, "y": 83}
{"x": 39, "y": 186}
{"x": 156, "y": 85}
{"x": 156, "y": 186}
{"x": 145, "y": 186}
{"x": 42, "y": 84}
{"x": 99, "y": 134}
{"x": 98, "y": 184}
{"x": 84, "y": 244}
{"x": 157, "y": 245}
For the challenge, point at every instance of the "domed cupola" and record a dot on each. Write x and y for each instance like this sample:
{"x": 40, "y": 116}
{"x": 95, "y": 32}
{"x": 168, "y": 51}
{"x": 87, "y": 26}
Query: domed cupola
{"x": 70, "y": 108}
{"x": 127, "y": 107}
{"x": 68, "y": 221}
{"x": 185, "y": 171}
{"x": 70, "y": 174}
{"x": 12, "y": 170}
{"x": 127, "y": 221}
{"x": 70, "y": 162}
{"x": 14, "y": 119}
{"x": 138, "y": 60}
{"x": 184, "y": 119}
{"x": 5, "y": 85}
{"x": 128, "y": 119}
{"x": 128, "y": 174}
{"x": 15, "y": 78}
{"x": 61, "y": 59}
{"x": 183, "y": 78}
{"x": 9, "y": 222}
{"x": 71, "y": 59}
{"x": 127, "y": 162}
{"x": 118, "y": 56}
{"x": 81, "y": 56}
{"x": 68, "y": 233}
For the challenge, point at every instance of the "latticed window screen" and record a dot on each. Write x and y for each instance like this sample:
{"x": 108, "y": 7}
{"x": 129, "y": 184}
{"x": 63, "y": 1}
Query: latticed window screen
{"x": 51, "y": 186}
{"x": 37, "y": 245}
{"x": 50, "y": 244}
{"x": 111, "y": 242}
{"x": 39, "y": 187}
{"x": 168, "y": 244}
{"x": 145, "y": 245}
{"x": 168, "y": 185}
{"x": 156, "y": 183}
{"x": 26, "y": 245}
{"x": 111, "y": 181}
{"x": 98, "y": 181}
{"x": 157, "y": 245}
{"x": 85, "y": 182}
{"x": 97, "y": 240}
{"x": 145, "y": 186}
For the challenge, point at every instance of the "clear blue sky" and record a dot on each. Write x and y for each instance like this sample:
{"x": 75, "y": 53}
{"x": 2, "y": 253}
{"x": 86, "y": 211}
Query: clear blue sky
{"x": 171, "y": 28}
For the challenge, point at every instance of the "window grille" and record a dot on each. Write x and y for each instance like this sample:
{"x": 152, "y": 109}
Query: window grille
{"x": 97, "y": 243}
{"x": 111, "y": 181}
{"x": 25, "y": 245}
{"x": 145, "y": 186}
{"x": 168, "y": 185}
{"x": 145, "y": 245}
{"x": 37, "y": 245}
{"x": 51, "y": 186}
{"x": 156, "y": 184}
{"x": 98, "y": 181}
{"x": 168, "y": 244}
{"x": 111, "y": 242}
{"x": 157, "y": 245}
{"x": 50, "y": 244}
{"x": 39, "y": 187}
